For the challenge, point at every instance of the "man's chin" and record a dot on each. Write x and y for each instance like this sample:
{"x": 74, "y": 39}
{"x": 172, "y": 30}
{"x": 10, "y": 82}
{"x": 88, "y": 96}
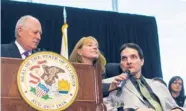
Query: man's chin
{"x": 33, "y": 48}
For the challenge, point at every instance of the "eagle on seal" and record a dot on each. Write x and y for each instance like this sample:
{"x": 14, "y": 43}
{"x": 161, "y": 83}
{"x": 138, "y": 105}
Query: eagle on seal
{"x": 50, "y": 74}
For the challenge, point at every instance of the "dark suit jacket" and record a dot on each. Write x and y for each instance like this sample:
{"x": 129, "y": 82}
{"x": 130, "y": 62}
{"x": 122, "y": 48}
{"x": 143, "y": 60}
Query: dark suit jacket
{"x": 11, "y": 50}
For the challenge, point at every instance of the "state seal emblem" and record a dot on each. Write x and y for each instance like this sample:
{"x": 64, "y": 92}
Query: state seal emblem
{"x": 47, "y": 81}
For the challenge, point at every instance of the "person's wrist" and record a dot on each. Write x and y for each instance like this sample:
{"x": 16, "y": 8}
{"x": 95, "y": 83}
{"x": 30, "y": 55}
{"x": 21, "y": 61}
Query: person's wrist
{"x": 112, "y": 87}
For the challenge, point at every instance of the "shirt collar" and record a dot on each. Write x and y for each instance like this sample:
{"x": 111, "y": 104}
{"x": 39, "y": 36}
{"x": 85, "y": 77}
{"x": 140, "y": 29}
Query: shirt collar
{"x": 20, "y": 48}
{"x": 133, "y": 79}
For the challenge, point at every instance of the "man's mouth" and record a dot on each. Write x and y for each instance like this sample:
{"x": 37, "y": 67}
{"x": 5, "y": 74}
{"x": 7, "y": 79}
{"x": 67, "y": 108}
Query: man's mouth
{"x": 94, "y": 52}
{"x": 36, "y": 42}
{"x": 130, "y": 67}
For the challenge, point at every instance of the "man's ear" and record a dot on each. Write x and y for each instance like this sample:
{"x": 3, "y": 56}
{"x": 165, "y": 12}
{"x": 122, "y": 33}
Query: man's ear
{"x": 19, "y": 30}
{"x": 142, "y": 62}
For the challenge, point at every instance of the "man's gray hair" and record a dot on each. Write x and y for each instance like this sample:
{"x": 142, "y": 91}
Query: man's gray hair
{"x": 21, "y": 22}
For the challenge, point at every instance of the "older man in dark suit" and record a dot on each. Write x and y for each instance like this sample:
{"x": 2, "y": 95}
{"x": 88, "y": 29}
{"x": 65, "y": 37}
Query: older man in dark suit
{"x": 28, "y": 35}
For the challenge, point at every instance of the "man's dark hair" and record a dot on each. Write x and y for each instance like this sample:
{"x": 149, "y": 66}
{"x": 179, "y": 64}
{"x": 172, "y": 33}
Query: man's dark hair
{"x": 133, "y": 46}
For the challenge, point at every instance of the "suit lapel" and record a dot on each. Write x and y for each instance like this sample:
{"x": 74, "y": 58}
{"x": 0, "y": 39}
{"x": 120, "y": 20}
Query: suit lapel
{"x": 132, "y": 89}
{"x": 13, "y": 50}
{"x": 152, "y": 86}
{"x": 156, "y": 89}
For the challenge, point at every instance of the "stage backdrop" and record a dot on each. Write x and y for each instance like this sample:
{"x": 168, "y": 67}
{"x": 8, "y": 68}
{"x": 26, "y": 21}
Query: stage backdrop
{"x": 111, "y": 29}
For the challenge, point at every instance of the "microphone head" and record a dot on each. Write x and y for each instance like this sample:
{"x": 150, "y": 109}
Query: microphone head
{"x": 127, "y": 72}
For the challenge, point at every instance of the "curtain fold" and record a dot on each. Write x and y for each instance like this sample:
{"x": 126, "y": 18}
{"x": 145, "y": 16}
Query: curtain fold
{"x": 111, "y": 29}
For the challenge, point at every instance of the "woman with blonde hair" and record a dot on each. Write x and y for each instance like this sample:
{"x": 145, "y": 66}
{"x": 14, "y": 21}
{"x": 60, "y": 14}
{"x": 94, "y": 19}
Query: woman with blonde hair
{"x": 87, "y": 51}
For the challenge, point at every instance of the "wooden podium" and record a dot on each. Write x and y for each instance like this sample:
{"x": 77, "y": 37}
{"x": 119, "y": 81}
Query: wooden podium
{"x": 89, "y": 96}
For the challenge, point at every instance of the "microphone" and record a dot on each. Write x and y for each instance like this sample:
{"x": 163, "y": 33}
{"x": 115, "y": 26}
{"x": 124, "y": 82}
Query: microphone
{"x": 122, "y": 83}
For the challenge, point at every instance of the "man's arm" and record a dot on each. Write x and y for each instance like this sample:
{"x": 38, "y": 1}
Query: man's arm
{"x": 115, "y": 81}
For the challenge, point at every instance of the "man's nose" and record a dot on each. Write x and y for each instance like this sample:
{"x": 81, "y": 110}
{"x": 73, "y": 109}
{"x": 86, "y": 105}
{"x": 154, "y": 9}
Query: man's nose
{"x": 129, "y": 61}
{"x": 38, "y": 36}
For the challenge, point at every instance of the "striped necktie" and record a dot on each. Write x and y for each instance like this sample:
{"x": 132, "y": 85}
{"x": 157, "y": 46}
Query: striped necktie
{"x": 147, "y": 95}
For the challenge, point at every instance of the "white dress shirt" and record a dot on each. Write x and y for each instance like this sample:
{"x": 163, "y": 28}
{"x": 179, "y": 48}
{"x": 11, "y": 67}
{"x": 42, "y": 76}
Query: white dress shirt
{"x": 21, "y": 50}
